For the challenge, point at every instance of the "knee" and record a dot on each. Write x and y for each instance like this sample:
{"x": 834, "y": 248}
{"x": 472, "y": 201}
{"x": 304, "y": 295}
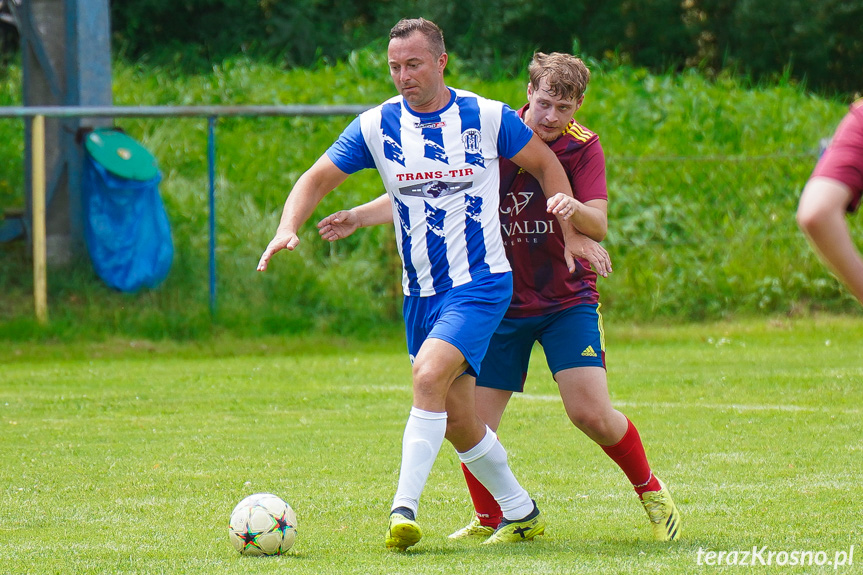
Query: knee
{"x": 586, "y": 420}
{"x": 603, "y": 427}
{"x": 592, "y": 420}
{"x": 428, "y": 382}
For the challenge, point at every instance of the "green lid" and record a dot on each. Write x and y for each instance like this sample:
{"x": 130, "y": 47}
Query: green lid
{"x": 121, "y": 155}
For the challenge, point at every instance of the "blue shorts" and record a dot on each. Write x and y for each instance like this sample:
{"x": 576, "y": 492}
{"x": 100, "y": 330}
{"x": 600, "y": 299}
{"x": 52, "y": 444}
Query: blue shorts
{"x": 465, "y": 316}
{"x": 573, "y": 337}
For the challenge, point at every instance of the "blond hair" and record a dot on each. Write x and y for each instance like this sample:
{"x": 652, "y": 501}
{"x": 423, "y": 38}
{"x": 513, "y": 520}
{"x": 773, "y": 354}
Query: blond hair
{"x": 566, "y": 75}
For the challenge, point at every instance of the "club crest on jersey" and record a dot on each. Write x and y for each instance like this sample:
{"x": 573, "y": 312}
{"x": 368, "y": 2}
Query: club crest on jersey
{"x": 435, "y": 189}
{"x": 471, "y": 138}
{"x": 432, "y": 124}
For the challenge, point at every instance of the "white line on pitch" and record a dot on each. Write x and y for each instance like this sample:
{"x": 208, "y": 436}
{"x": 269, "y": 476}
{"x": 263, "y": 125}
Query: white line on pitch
{"x": 717, "y": 406}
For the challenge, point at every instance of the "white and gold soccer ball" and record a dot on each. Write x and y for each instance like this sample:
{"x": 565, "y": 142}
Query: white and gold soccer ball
{"x": 262, "y": 524}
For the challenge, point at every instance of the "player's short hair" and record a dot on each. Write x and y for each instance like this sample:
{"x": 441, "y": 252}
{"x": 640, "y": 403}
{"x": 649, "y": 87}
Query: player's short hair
{"x": 434, "y": 36}
{"x": 567, "y": 76}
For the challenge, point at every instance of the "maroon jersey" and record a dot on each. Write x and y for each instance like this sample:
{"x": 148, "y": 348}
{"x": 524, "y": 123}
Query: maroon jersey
{"x": 533, "y": 239}
{"x": 843, "y": 159}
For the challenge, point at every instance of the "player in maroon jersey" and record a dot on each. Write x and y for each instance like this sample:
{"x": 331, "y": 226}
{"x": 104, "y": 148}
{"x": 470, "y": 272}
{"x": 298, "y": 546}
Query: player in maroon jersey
{"x": 554, "y": 307}
{"x": 551, "y": 304}
{"x": 833, "y": 190}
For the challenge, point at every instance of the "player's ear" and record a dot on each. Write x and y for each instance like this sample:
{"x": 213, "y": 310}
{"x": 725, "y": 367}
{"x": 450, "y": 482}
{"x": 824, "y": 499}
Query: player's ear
{"x": 529, "y": 90}
{"x": 578, "y": 103}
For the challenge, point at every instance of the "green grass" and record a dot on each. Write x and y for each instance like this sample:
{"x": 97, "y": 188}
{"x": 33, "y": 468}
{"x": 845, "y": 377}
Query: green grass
{"x": 127, "y": 456}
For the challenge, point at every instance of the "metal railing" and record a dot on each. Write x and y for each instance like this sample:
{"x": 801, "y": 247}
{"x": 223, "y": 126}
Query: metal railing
{"x": 37, "y": 115}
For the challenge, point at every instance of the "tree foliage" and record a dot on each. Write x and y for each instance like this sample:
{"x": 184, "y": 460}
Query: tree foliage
{"x": 818, "y": 42}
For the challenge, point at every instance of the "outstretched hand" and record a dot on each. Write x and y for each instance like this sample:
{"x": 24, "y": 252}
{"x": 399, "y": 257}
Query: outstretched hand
{"x": 581, "y": 246}
{"x": 339, "y": 225}
{"x": 282, "y": 241}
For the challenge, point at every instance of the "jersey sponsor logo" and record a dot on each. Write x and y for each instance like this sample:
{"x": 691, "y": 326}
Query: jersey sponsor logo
{"x": 433, "y": 124}
{"x": 527, "y": 228}
{"x": 471, "y": 138}
{"x": 435, "y": 189}
{"x": 436, "y": 174}
{"x": 518, "y": 203}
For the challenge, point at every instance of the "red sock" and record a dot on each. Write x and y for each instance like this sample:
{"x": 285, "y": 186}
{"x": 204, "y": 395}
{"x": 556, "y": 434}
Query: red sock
{"x": 484, "y": 503}
{"x": 628, "y": 453}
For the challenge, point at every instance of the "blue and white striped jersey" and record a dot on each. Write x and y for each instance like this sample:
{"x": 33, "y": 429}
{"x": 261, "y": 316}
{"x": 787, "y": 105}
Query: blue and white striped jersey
{"x": 441, "y": 173}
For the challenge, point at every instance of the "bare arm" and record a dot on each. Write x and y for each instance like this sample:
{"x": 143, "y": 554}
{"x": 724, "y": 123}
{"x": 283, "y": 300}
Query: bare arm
{"x": 538, "y": 159}
{"x": 821, "y": 216}
{"x": 343, "y": 223}
{"x": 593, "y": 252}
{"x": 589, "y": 218}
{"x": 313, "y": 185}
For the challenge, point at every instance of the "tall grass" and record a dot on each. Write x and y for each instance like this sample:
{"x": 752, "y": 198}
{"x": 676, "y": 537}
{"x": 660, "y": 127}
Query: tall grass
{"x": 703, "y": 177}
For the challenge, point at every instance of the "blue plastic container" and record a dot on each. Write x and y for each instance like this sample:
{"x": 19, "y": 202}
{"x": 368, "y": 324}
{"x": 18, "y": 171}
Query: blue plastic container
{"x": 125, "y": 225}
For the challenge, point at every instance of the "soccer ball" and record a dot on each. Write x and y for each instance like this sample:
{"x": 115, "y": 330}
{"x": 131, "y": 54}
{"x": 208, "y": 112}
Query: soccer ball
{"x": 262, "y": 524}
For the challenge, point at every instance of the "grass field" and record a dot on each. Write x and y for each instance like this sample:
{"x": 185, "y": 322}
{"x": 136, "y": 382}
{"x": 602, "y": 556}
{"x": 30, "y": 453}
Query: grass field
{"x": 127, "y": 456}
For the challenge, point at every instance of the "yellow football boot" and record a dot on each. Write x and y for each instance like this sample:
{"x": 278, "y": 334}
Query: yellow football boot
{"x": 517, "y": 531}
{"x": 402, "y": 532}
{"x": 663, "y": 514}
{"x": 473, "y": 529}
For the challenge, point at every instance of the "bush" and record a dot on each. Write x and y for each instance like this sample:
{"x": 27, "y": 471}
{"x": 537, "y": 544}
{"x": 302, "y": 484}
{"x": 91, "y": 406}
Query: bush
{"x": 815, "y": 42}
{"x": 703, "y": 175}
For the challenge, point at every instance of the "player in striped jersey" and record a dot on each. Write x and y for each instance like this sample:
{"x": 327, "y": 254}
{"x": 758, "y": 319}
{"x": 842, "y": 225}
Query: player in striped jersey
{"x": 834, "y": 190}
{"x": 437, "y": 150}
{"x": 552, "y": 303}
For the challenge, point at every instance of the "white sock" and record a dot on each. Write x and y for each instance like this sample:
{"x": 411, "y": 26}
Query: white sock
{"x": 487, "y": 461}
{"x": 424, "y": 434}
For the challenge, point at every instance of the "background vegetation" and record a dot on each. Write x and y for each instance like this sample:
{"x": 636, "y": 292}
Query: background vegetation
{"x": 801, "y": 39}
{"x": 704, "y": 177}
